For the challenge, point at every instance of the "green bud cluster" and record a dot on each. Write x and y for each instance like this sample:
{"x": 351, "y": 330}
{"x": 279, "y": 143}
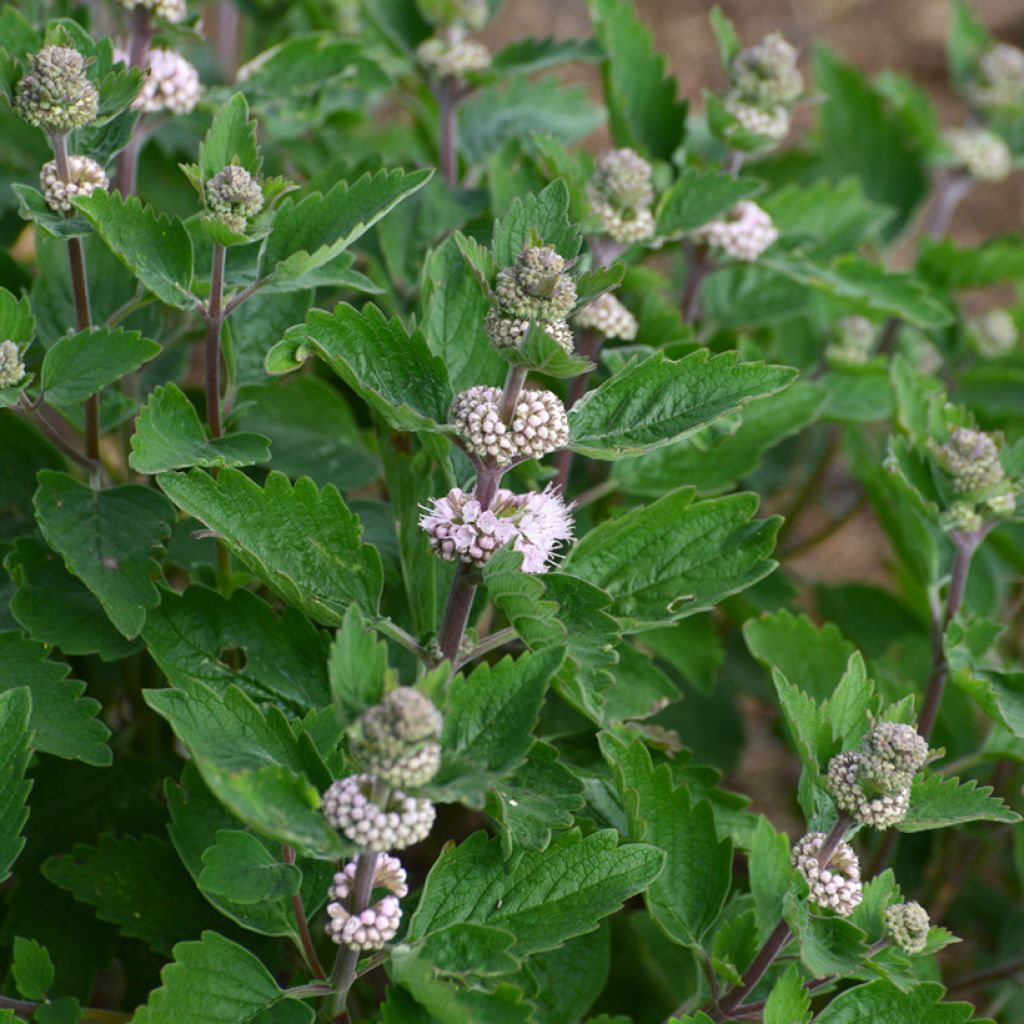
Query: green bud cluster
{"x": 999, "y": 78}
{"x": 621, "y": 193}
{"x": 56, "y": 94}
{"x": 398, "y": 740}
{"x": 907, "y": 925}
{"x": 971, "y": 458}
{"x": 853, "y": 341}
{"x": 453, "y": 58}
{"x": 233, "y": 196}
{"x": 765, "y": 85}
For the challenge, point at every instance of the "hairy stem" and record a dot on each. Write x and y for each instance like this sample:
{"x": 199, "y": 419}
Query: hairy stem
{"x": 489, "y": 643}
{"x": 401, "y": 637}
{"x": 447, "y": 102}
{"x": 312, "y": 960}
{"x": 214, "y": 323}
{"x": 141, "y": 35}
{"x": 699, "y": 265}
{"x": 56, "y": 438}
{"x": 80, "y": 295}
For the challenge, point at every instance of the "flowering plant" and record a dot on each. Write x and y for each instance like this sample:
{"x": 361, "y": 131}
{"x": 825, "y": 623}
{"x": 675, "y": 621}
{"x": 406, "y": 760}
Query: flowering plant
{"x": 389, "y": 628}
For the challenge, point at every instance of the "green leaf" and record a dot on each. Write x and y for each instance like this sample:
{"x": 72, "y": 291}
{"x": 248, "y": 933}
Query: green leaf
{"x": 829, "y": 944}
{"x": 999, "y": 694}
{"x": 392, "y": 371}
{"x": 357, "y": 667}
{"x": 65, "y": 1010}
{"x": 64, "y": 722}
{"x": 770, "y": 874}
{"x": 199, "y": 636}
{"x": 169, "y": 435}
{"x": 32, "y": 206}
{"x": 937, "y": 802}
{"x": 215, "y": 981}
{"x": 303, "y": 543}
{"x": 958, "y": 268}
{"x": 312, "y": 231}
{"x": 15, "y": 750}
{"x": 530, "y": 54}
{"x": 675, "y": 558}
{"x": 545, "y": 897}
{"x": 56, "y": 608}
{"x": 252, "y": 763}
{"x": 688, "y": 895}
{"x": 640, "y": 95}
{"x": 726, "y": 37}
{"x": 155, "y": 248}
{"x": 698, "y": 196}
{"x": 513, "y": 108}
{"x": 16, "y": 322}
{"x": 883, "y": 1001}
{"x": 788, "y": 1002}
{"x": 108, "y": 539}
{"x": 540, "y": 353}
{"x": 968, "y": 40}
{"x": 544, "y": 216}
{"x": 83, "y": 364}
{"x": 138, "y": 884}
{"x": 538, "y": 797}
{"x": 473, "y": 949}
{"x": 231, "y": 138}
{"x": 32, "y": 969}
{"x": 656, "y": 401}
{"x": 240, "y": 869}
{"x": 489, "y": 720}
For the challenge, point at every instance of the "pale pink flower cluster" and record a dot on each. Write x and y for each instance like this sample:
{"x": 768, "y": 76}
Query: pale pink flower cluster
{"x": 377, "y": 924}
{"x": 744, "y": 233}
{"x": 171, "y": 83}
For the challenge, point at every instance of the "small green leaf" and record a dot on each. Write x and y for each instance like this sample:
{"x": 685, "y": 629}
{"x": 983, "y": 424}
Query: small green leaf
{"x": 82, "y": 364}
{"x": 357, "y": 667}
{"x": 540, "y": 353}
{"x": 699, "y": 196}
{"x": 937, "y": 802}
{"x": 788, "y": 1002}
{"x": 473, "y": 949}
{"x": 544, "y": 216}
{"x": 16, "y": 322}
{"x": 108, "y": 539}
{"x": 770, "y": 874}
{"x": 15, "y": 750}
{"x": 303, "y": 543}
{"x": 883, "y": 1001}
{"x": 725, "y": 35}
{"x": 32, "y": 206}
{"x": 829, "y": 944}
{"x": 169, "y": 435}
{"x": 155, "y": 248}
{"x": 656, "y": 401}
{"x": 32, "y": 969}
{"x": 241, "y": 869}
{"x": 231, "y": 138}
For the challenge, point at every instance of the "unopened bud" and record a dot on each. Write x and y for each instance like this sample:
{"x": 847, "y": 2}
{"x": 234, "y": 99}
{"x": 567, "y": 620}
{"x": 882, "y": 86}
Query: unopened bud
{"x": 907, "y": 925}
{"x": 398, "y": 739}
{"x": 56, "y": 95}
{"x": 233, "y": 195}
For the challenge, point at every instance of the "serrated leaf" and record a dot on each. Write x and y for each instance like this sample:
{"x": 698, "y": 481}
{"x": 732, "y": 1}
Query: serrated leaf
{"x": 215, "y": 981}
{"x": 108, "y": 539}
{"x": 32, "y": 969}
{"x": 155, "y": 248}
{"x": 540, "y": 353}
{"x": 390, "y": 369}
{"x": 303, "y": 543}
{"x": 544, "y": 215}
{"x": 311, "y": 231}
{"x": 538, "y": 797}
{"x": 56, "y": 608}
{"x": 473, "y": 949}
{"x": 829, "y": 944}
{"x": 788, "y": 1002}
{"x": 770, "y": 874}
{"x": 651, "y": 403}
{"x": 240, "y": 869}
{"x": 32, "y": 206}
{"x": 883, "y": 1001}
{"x": 958, "y": 268}
{"x": 83, "y": 364}
{"x": 252, "y": 763}
{"x": 15, "y": 750}
{"x": 641, "y": 96}
{"x": 135, "y": 883}
{"x": 698, "y": 196}
{"x": 489, "y": 720}
{"x": 64, "y": 722}
{"x": 937, "y": 802}
{"x": 675, "y": 558}
{"x": 199, "y": 636}
{"x": 999, "y": 694}
{"x": 169, "y": 435}
{"x": 545, "y": 897}
{"x": 529, "y": 55}
{"x": 231, "y": 138}
{"x": 357, "y": 667}
{"x": 16, "y": 322}
{"x": 688, "y": 895}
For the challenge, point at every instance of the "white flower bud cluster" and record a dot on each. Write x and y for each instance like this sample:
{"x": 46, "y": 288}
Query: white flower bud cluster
{"x": 608, "y": 317}
{"x": 455, "y": 58}
{"x": 397, "y": 740}
{"x": 538, "y": 425}
{"x": 772, "y": 123}
{"x": 744, "y": 233}
{"x": 766, "y": 73}
{"x": 971, "y": 458}
{"x": 12, "y": 368}
{"x": 372, "y": 927}
{"x": 907, "y": 924}
{"x": 621, "y": 194}
{"x": 170, "y": 10}
{"x": 844, "y": 782}
{"x": 234, "y": 195}
{"x": 853, "y": 343}
{"x": 995, "y": 334}
{"x": 983, "y": 154}
{"x": 537, "y": 286}
{"x": 535, "y": 523}
{"x": 86, "y": 177}
{"x": 401, "y": 822}
{"x": 834, "y": 885}
{"x": 509, "y": 331}
{"x": 1000, "y": 78}
{"x": 171, "y": 83}
{"x": 56, "y": 94}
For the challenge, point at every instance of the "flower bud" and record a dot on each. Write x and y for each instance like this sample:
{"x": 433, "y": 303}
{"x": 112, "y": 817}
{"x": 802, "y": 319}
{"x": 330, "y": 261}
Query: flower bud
{"x": 56, "y": 95}
{"x": 171, "y": 83}
{"x": 12, "y": 368}
{"x": 537, "y": 287}
{"x": 880, "y": 811}
{"x": 983, "y": 154}
{"x": 608, "y": 317}
{"x": 445, "y": 58}
{"x": 86, "y": 177}
{"x": 771, "y": 122}
{"x": 400, "y": 822}
{"x": 397, "y": 739}
{"x": 509, "y": 331}
{"x": 766, "y": 74}
{"x": 538, "y": 425}
{"x": 834, "y": 885}
{"x": 907, "y": 925}
{"x": 999, "y": 81}
{"x": 744, "y": 233}
{"x": 377, "y": 924}
{"x": 233, "y": 195}
{"x": 620, "y": 194}
{"x": 995, "y": 334}
{"x": 854, "y": 341}
{"x": 891, "y": 755}
{"x": 971, "y": 458}
{"x": 170, "y": 10}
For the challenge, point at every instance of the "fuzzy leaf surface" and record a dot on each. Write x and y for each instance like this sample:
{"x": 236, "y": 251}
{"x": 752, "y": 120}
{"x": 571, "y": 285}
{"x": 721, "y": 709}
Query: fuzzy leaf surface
{"x": 15, "y": 750}
{"x": 937, "y": 802}
{"x": 82, "y": 364}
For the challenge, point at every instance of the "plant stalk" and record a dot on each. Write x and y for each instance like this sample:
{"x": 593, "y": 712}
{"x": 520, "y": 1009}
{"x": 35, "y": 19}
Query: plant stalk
{"x": 447, "y": 102}
{"x": 699, "y": 264}
{"x": 140, "y": 36}
{"x": 312, "y": 960}
{"x": 588, "y": 345}
{"x": 214, "y": 323}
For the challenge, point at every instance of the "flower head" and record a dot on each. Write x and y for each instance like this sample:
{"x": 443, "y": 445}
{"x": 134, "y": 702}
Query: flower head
{"x": 907, "y": 925}
{"x": 744, "y": 233}
{"x": 86, "y": 177}
{"x": 12, "y": 368}
{"x": 536, "y": 287}
{"x": 171, "y": 83}
{"x": 378, "y": 923}
{"x": 772, "y": 122}
{"x": 56, "y": 94}
{"x": 399, "y": 821}
{"x": 835, "y": 884}
{"x": 999, "y": 80}
{"x": 398, "y": 739}
{"x": 608, "y": 317}
{"x": 983, "y": 154}
{"x": 509, "y": 331}
{"x": 169, "y": 10}
{"x": 971, "y": 458}
{"x": 620, "y": 194}
{"x": 453, "y": 58}
{"x": 853, "y": 341}
{"x": 846, "y": 782}
{"x": 233, "y": 195}
{"x": 995, "y": 334}
{"x": 538, "y": 425}
{"x": 766, "y": 74}
{"x": 892, "y": 754}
